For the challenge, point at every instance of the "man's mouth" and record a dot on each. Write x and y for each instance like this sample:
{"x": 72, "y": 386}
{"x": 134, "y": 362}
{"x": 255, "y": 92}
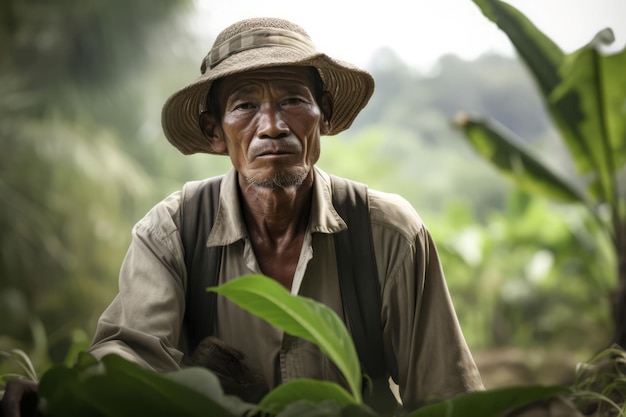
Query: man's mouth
{"x": 274, "y": 153}
{"x": 274, "y": 148}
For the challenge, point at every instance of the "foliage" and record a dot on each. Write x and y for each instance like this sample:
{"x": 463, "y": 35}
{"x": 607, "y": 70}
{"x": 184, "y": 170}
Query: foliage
{"x": 113, "y": 386}
{"x": 23, "y": 362}
{"x": 69, "y": 189}
{"x": 301, "y": 317}
{"x": 585, "y": 94}
{"x": 600, "y": 383}
{"x": 507, "y": 278}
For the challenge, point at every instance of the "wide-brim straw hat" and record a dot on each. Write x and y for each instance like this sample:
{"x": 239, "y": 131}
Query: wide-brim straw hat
{"x": 260, "y": 43}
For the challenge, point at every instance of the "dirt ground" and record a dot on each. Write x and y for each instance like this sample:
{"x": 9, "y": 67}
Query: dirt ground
{"x": 515, "y": 366}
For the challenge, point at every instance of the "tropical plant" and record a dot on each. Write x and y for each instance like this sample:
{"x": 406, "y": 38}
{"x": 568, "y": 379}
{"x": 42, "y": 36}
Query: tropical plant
{"x": 585, "y": 95}
{"x": 600, "y": 384}
{"x": 113, "y": 386}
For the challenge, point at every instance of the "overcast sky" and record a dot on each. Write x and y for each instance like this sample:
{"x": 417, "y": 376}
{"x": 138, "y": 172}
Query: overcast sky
{"x": 420, "y": 31}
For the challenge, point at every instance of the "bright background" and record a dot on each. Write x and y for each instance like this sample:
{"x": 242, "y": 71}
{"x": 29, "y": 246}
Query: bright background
{"x": 420, "y": 31}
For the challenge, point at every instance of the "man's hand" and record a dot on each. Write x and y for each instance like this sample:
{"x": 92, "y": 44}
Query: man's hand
{"x": 237, "y": 376}
{"x": 20, "y": 399}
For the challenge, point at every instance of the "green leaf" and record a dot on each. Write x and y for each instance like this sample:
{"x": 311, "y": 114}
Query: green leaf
{"x": 542, "y": 56}
{"x": 298, "y": 316}
{"x": 22, "y": 360}
{"x": 326, "y": 409}
{"x": 308, "y": 409}
{"x": 614, "y": 77}
{"x": 516, "y": 160}
{"x": 490, "y": 403}
{"x": 116, "y": 387}
{"x": 80, "y": 343}
{"x": 206, "y": 383}
{"x": 62, "y": 394}
{"x": 544, "y": 59}
{"x": 585, "y": 93}
{"x": 312, "y": 390}
{"x": 596, "y": 126}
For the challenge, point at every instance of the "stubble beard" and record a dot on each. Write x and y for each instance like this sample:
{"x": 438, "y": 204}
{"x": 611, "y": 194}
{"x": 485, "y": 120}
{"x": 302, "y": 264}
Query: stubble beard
{"x": 279, "y": 180}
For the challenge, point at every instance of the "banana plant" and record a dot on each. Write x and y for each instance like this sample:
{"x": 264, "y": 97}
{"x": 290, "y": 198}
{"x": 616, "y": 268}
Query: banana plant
{"x": 585, "y": 96}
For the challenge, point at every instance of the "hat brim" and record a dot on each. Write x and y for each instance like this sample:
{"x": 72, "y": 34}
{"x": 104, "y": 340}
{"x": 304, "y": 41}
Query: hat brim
{"x": 349, "y": 86}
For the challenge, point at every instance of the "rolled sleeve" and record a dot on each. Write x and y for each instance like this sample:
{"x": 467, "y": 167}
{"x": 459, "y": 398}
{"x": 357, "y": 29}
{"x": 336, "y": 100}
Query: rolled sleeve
{"x": 143, "y": 323}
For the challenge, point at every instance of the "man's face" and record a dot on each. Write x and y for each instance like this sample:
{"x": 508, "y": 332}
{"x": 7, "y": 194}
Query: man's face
{"x": 271, "y": 124}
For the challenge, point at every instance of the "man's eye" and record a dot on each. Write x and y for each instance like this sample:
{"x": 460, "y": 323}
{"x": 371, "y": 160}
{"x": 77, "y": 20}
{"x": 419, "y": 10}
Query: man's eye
{"x": 243, "y": 106}
{"x": 292, "y": 101}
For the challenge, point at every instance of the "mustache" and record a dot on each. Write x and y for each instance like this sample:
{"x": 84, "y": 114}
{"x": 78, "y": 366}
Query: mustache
{"x": 274, "y": 146}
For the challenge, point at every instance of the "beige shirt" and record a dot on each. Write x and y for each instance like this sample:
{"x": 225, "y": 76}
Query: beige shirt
{"x": 425, "y": 351}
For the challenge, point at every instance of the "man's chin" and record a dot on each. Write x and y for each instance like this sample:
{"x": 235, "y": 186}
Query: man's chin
{"x": 278, "y": 180}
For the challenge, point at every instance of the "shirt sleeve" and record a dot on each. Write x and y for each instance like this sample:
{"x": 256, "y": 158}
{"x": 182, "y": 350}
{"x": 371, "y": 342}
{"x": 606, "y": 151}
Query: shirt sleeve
{"x": 143, "y": 322}
{"x": 425, "y": 350}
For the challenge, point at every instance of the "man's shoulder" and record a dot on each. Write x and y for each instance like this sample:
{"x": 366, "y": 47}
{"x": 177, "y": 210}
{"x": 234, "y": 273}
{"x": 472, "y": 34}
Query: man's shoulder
{"x": 168, "y": 210}
{"x": 395, "y": 213}
{"x": 191, "y": 188}
{"x": 389, "y": 211}
{"x": 163, "y": 218}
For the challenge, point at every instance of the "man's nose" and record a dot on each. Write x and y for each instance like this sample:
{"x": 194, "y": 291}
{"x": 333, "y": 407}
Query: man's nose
{"x": 271, "y": 123}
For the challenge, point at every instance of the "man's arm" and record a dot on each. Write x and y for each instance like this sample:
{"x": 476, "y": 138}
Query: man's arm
{"x": 425, "y": 350}
{"x": 143, "y": 323}
{"x": 422, "y": 330}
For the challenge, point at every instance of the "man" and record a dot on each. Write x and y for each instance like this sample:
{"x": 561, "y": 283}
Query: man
{"x": 264, "y": 98}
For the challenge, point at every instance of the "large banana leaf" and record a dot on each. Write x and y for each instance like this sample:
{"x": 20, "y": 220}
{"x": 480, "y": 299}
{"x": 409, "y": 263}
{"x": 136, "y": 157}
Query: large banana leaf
{"x": 584, "y": 93}
{"x": 542, "y": 56}
{"x": 298, "y": 316}
{"x": 599, "y": 83}
{"x": 517, "y": 161}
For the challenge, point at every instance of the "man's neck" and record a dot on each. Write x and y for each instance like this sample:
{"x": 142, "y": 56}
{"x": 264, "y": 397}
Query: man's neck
{"x": 277, "y": 219}
{"x": 274, "y": 214}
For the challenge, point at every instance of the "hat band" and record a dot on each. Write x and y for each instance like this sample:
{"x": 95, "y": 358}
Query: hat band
{"x": 257, "y": 38}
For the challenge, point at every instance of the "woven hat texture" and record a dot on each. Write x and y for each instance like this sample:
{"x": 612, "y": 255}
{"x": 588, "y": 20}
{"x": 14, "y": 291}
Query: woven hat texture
{"x": 260, "y": 43}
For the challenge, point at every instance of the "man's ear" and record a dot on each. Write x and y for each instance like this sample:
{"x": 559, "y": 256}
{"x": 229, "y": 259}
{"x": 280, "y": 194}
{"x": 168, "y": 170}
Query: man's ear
{"x": 326, "y": 106}
{"x": 213, "y": 133}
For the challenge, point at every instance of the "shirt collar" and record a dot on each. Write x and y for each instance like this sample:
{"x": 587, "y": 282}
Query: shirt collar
{"x": 324, "y": 217}
{"x": 229, "y": 226}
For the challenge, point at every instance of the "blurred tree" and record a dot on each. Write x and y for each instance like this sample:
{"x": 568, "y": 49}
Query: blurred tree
{"x": 67, "y": 188}
{"x": 424, "y": 103}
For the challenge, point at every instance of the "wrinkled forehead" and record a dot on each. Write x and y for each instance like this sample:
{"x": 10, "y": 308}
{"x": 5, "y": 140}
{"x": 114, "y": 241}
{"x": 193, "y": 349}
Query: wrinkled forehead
{"x": 284, "y": 75}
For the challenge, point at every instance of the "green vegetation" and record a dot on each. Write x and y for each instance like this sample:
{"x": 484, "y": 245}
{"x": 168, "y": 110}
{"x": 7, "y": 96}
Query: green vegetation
{"x": 83, "y": 158}
{"x": 114, "y": 387}
{"x": 585, "y": 94}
